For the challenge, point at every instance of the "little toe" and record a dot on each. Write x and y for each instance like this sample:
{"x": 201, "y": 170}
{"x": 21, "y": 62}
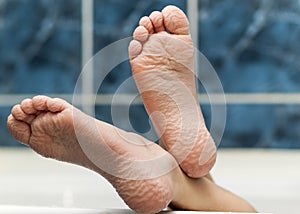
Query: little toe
{"x": 135, "y": 48}
{"x": 27, "y": 107}
{"x": 20, "y": 115}
{"x": 157, "y": 20}
{"x": 146, "y": 22}
{"x": 175, "y": 20}
{"x": 141, "y": 34}
{"x": 19, "y": 130}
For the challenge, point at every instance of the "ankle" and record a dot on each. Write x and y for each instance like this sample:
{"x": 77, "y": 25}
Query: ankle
{"x": 179, "y": 185}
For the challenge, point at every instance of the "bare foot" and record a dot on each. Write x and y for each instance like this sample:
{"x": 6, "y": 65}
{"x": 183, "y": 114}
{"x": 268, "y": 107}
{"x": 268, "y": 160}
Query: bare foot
{"x": 56, "y": 129}
{"x": 162, "y": 59}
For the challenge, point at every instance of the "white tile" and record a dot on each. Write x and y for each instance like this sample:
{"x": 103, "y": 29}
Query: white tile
{"x": 269, "y": 179}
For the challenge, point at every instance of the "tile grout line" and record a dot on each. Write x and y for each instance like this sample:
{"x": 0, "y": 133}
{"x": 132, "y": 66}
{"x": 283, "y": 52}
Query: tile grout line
{"x": 126, "y": 99}
{"x": 87, "y": 8}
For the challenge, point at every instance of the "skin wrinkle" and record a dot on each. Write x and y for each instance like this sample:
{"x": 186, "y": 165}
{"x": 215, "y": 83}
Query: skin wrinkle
{"x": 113, "y": 162}
{"x": 165, "y": 52}
{"x": 153, "y": 180}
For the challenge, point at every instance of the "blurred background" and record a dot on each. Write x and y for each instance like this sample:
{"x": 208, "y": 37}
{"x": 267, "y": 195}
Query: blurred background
{"x": 254, "y": 46}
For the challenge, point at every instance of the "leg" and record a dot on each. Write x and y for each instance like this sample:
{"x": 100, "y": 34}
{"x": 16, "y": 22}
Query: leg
{"x": 48, "y": 126}
{"x": 204, "y": 195}
{"x": 162, "y": 59}
{"x": 54, "y": 129}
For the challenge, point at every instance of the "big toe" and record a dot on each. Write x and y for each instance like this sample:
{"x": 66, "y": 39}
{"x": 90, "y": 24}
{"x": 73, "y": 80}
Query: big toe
{"x": 175, "y": 20}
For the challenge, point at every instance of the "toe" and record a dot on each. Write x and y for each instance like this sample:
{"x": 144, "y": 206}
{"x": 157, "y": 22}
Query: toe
{"x": 27, "y": 107}
{"x": 146, "y": 23}
{"x": 19, "y": 130}
{"x": 208, "y": 152}
{"x": 20, "y": 115}
{"x": 157, "y": 20}
{"x": 57, "y": 105}
{"x": 40, "y": 103}
{"x": 141, "y": 34}
{"x": 135, "y": 48}
{"x": 175, "y": 20}
{"x": 54, "y": 105}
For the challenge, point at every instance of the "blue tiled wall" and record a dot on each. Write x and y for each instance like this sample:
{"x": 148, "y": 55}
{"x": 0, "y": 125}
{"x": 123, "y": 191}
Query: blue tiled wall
{"x": 254, "y": 46}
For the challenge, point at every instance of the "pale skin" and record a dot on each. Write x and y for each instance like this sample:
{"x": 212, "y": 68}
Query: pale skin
{"x": 175, "y": 111}
{"x": 55, "y": 129}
